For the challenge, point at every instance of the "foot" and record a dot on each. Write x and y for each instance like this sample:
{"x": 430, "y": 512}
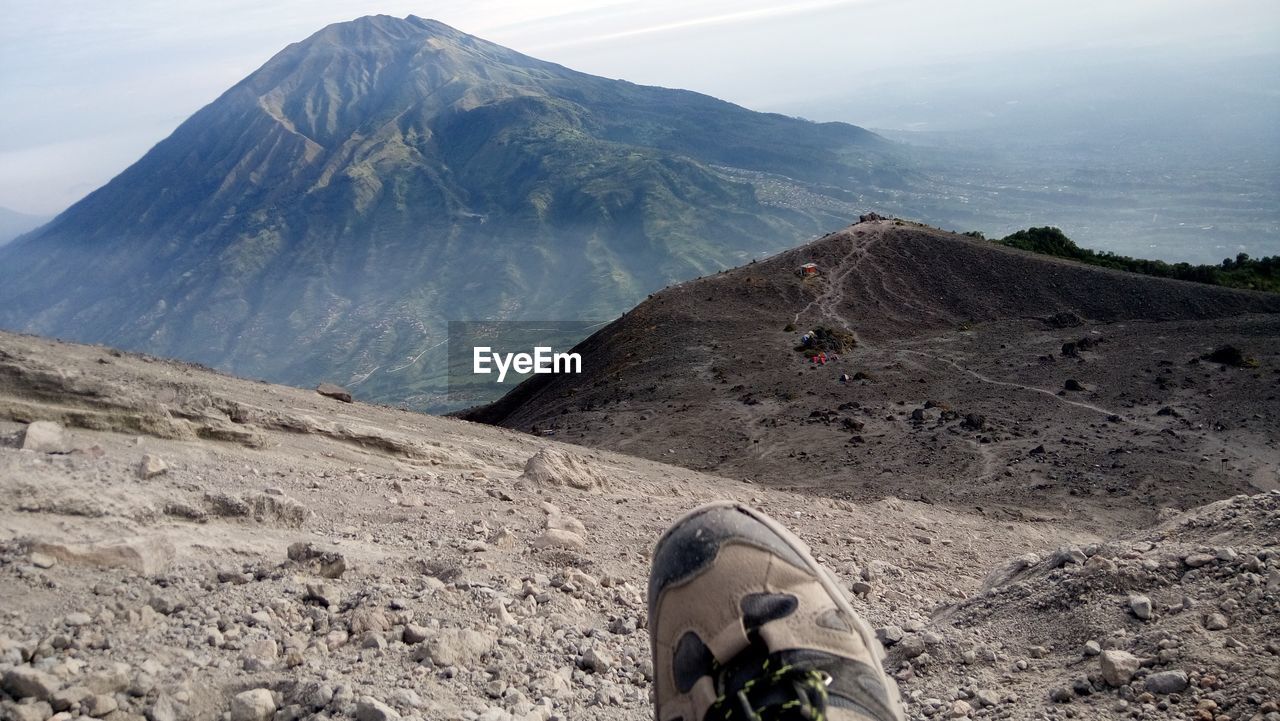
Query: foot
{"x": 745, "y": 624}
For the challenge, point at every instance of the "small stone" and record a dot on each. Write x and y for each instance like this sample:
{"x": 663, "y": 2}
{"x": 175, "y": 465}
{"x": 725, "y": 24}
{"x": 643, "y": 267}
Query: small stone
{"x": 320, "y": 594}
{"x": 1060, "y": 694}
{"x": 912, "y": 646}
{"x": 1067, "y": 554}
{"x": 1197, "y": 560}
{"x": 414, "y": 633}
{"x": 255, "y": 705}
{"x": 1216, "y": 622}
{"x": 100, "y": 705}
{"x": 1141, "y": 606}
{"x": 38, "y": 711}
{"x": 861, "y": 588}
{"x": 43, "y": 560}
{"x": 26, "y": 682}
{"x": 152, "y": 466}
{"x": 368, "y": 619}
{"x": 598, "y": 660}
{"x": 68, "y": 697}
{"x": 78, "y": 618}
{"x": 622, "y": 626}
{"x": 1118, "y": 667}
{"x": 260, "y": 655}
{"x": 234, "y": 576}
{"x": 1092, "y": 648}
{"x": 988, "y": 698}
{"x": 114, "y": 679}
{"x": 889, "y": 635}
{"x": 557, "y": 538}
{"x": 166, "y": 604}
{"x": 458, "y": 647}
{"x": 1167, "y": 682}
{"x": 961, "y": 709}
{"x": 165, "y": 709}
{"x": 371, "y": 709}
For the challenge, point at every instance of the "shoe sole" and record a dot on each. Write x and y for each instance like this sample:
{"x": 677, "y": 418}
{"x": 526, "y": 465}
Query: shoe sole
{"x": 825, "y": 577}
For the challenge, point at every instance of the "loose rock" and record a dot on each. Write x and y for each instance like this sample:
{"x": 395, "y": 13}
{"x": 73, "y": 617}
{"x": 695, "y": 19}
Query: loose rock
{"x": 152, "y": 466}
{"x": 255, "y": 705}
{"x": 1167, "y": 682}
{"x": 552, "y": 467}
{"x": 1141, "y": 607}
{"x": 45, "y": 437}
{"x": 335, "y": 392}
{"x": 1118, "y": 667}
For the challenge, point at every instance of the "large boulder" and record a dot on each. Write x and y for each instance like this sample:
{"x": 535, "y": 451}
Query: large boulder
{"x": 552, "y": 467}
{"x": 45, "y": 437}
{"x": 146, "y": 555}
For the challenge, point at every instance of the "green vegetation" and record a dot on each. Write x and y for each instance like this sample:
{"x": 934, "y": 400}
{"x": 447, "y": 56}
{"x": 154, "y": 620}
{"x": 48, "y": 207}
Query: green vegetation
{"x": 1239, "y": 272}
{"x": 827, "y": 340}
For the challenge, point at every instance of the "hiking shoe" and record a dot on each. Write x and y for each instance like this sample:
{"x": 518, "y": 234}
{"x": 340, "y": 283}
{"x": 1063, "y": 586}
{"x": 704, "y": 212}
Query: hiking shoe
{"x": 745, "y": 624}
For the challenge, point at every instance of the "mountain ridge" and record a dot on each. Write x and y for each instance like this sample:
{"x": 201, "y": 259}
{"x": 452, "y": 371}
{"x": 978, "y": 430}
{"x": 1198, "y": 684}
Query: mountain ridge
{"x": 1020, "y": 372}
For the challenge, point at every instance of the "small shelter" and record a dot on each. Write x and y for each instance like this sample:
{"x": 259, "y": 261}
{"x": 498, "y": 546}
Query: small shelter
{"x": 807, "y": 270}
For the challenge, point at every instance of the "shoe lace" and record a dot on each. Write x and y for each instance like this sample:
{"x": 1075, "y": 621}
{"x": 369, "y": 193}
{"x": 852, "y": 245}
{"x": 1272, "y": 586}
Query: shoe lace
{"x": 769, "y": 690}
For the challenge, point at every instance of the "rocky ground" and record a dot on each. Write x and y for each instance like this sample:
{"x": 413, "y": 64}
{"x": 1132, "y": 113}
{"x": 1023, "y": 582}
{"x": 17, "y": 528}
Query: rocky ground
{"x": 179, "y": 544}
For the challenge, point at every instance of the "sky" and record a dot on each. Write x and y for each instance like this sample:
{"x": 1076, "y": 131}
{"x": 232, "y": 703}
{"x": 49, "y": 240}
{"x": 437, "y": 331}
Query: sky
{"x": 86, "y": 88}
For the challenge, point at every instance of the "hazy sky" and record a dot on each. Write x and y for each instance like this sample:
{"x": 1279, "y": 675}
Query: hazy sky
{"x": 87, "y": 87}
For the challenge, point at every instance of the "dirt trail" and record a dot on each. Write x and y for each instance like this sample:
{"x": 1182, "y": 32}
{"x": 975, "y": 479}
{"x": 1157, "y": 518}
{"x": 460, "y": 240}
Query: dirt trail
{"x": 1020, "y": 386}
{"x": 833, "y": 294}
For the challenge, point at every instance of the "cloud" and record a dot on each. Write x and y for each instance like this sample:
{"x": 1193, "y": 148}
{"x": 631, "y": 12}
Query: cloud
{"x": 725, "y": 18}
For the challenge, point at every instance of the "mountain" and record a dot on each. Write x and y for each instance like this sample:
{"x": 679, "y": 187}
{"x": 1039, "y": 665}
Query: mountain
{"x": 14, "y": 224}
{"x": 324, "y": 217}
{"x": 972, "y": 374}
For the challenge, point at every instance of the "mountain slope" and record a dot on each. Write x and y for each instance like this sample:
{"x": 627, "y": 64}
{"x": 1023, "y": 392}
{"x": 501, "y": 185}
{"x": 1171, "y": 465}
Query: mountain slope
{"x": 14, "y": 224}
{"x": 326, "y": 215}
{"x": 707, "y": 375}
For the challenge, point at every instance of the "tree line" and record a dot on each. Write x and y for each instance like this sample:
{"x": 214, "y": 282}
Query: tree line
{"x": 1238, "y": 272}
